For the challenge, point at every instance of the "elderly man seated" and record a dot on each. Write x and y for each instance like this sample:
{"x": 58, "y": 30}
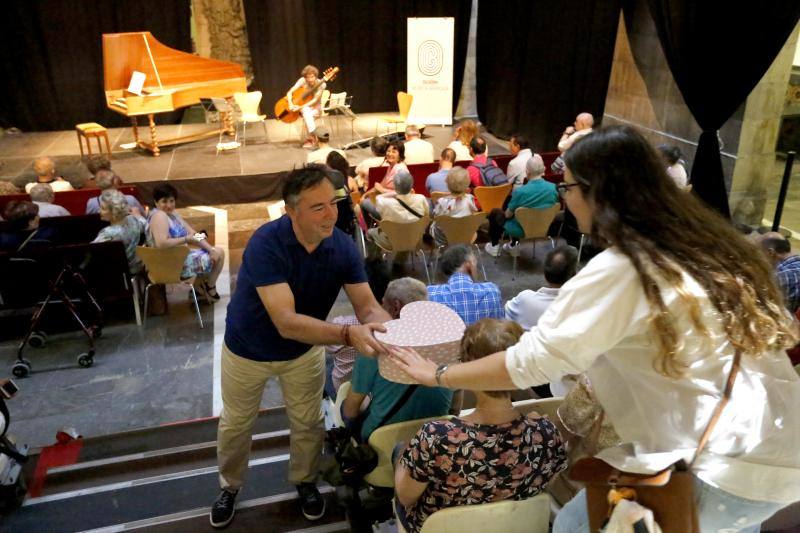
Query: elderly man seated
{"x": 537, "y": 193}
{"x": 105, "y": 180}
{"x": 471, "y": 301}
{"x": 42, "y": 195}
{"x": 424, "y": 402}
{"x": 399, "y": 205}
{"x": 46, "y": 173}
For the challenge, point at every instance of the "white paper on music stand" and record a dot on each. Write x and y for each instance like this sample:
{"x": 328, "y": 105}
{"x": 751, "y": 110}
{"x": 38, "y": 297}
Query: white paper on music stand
{"x": 137, "y": 82}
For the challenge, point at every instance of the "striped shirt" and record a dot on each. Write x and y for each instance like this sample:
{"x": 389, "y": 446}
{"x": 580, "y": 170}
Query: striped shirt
{"x": 471, "y": 301}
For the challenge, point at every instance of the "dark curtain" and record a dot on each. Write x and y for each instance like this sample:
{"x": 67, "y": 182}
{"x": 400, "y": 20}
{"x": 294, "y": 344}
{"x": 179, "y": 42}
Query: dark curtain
{"x": 717, "y": 53}
{"x": 52, "y": 66}
{"x": 540, "y": 63}
{"x": 366, "y": 39}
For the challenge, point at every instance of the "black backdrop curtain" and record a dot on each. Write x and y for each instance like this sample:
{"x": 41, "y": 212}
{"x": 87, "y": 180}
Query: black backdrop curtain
{"x": 541, "y": 63}
{"x": 717, "y": 53}
{"x": 365, "y": 38}
{"x": 52, "y": 66}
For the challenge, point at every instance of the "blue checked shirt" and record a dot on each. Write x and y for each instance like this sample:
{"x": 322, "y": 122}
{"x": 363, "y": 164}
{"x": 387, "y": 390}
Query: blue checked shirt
{"x": 472, "y": 301}
{"x": 788, "y": 272}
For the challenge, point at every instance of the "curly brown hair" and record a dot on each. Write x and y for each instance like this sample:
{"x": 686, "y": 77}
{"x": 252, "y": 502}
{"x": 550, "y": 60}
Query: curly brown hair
{"x": 666, "y": 232}
{"x": 488, "y": 336}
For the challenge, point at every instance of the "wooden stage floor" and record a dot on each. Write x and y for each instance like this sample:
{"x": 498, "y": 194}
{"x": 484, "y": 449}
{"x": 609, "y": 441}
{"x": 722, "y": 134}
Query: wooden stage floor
{"x": 249, "y": 173}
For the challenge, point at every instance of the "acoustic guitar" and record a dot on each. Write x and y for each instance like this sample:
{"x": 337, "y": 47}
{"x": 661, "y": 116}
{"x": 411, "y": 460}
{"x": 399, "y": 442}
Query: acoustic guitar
{"x": 302, "y": 96}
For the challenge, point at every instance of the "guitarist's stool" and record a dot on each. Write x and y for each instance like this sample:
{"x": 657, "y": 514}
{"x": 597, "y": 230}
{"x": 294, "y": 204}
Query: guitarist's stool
{"x": 88, "y": 130}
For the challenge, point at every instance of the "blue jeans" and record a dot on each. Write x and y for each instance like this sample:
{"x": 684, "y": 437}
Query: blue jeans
{"x": 719, "y": 511}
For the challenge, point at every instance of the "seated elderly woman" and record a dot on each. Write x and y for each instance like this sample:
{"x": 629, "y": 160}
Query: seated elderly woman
{"x": 46, "y": 173}
{"x": 122, "y": 226}
{"x": 166, "y": 229}
{"x": 399, "y": 205}
{"x": 491, "y": 454}
{"x": 42, "y": 195}
{"x": 22, "y": 227}
{"x": 105, "y": 179}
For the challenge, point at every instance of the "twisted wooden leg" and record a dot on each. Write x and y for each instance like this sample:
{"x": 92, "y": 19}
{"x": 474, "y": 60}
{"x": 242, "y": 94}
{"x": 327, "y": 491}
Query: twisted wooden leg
{"x": 135, "y": 127}
{"x": 153, "y": 138}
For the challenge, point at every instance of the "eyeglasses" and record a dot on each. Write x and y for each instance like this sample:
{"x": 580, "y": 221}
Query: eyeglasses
{"x": 563, "y": 187}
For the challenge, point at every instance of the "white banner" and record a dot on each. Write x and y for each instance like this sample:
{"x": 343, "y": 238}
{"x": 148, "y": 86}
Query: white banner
{"x": 430, "y": 70}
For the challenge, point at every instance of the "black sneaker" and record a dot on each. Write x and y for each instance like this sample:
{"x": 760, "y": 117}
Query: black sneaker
{"x": 311, "y": 502}
{"x": 223, "y": 509}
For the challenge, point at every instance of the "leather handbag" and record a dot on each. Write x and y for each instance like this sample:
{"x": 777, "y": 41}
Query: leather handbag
{"x": 669, "y": 494}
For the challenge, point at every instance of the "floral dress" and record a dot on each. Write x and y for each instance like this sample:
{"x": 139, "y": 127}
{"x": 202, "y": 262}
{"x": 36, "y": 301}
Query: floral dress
{"x": 465, "y": 463}
{"x": 198, "y": 262}
{"x": 129, "y": 232}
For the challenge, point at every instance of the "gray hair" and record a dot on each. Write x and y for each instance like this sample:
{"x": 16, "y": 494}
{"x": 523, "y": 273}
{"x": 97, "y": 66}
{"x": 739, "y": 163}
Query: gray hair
{"x": 104, "y": 178}
{"x": 405, "y": 290}
{"x": 116, "y": 203}
{"x": 534, "y": 168}
{"x": 42, "y": 192}
{"x": 412, "y": 131}
{"x": 403, "y": 182}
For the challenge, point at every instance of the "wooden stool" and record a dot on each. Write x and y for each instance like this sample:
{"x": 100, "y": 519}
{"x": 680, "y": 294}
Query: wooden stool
{"x": 89, "y": 130}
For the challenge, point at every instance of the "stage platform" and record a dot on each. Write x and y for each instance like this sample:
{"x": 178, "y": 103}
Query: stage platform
{"x": 250, "y": 173}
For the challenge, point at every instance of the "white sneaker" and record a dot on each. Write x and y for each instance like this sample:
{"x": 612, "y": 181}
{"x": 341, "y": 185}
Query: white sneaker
{"x": 512, "y": 249}
{"x": 493, "y": 250}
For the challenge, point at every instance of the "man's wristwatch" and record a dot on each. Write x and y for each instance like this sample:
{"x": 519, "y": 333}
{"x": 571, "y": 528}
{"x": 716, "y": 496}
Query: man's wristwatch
{"x": 441, "y": 369}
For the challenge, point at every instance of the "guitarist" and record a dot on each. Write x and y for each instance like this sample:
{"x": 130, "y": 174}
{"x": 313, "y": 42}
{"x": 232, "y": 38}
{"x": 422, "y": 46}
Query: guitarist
{"x": 312, "y": 108}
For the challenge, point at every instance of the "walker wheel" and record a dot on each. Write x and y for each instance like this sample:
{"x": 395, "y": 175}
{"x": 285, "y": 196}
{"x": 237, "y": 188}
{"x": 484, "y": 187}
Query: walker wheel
{"x": 85, "y": 360}
{"x": 21, "y": 368}
{"x": 38, "y": 339}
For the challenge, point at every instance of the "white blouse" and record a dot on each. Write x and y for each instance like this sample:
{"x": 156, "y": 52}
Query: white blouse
{"x": 599, "y": 324}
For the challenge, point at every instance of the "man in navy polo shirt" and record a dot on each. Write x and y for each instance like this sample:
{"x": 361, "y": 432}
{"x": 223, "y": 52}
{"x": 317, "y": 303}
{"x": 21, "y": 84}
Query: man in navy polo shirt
{"x": 292, "y": 271}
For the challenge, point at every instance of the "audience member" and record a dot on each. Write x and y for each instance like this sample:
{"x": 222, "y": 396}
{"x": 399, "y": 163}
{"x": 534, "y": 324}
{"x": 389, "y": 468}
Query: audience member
{"x": 399, "y": 205}
{"x": 122, "y": 226}
{"x": 472, "y": 301}
{"x": 787, "y": 266}
{"x": 418, "y": 150}
{"x": 580, "y": 128}
{"x": 95, "y": 163}
{"x": 166, "y": 228}
{"x": 339, "y": 175}
{"x": 437, "y": 181}
{"x": 660, "y": 320}
{"x": 525, "y": 308}
{"x": 458, "y": 203}
{"x": 22, "y": 223}
{"x": 378, "y": 147}
{"x": 538, "y": 193}
{"x": 293, "y": 269}
{"x": 492, "y": 454}
{"x": 465, "y": 132}
{"x": 521, "y": 150}
{"x": 42, "y": 195}
{"x": 46, "y": 173}
{"x": 395, "y": 156}
{"x": 320, "y": 155}
{"x": 424, "y": 402}
{"x": 105, "y": 179}
{"x": 483, "y": 171}
{"x": 6, "y": 187}
{"x": 675, "y": 167}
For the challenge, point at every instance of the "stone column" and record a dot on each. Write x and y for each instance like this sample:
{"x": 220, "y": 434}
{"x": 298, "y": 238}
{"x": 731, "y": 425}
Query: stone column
{"x": 221, "y": 32}
{"x": 756, "y": 167}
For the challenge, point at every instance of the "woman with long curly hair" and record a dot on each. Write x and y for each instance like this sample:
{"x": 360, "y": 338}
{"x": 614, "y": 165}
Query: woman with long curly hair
{"x": 655, "y": 321}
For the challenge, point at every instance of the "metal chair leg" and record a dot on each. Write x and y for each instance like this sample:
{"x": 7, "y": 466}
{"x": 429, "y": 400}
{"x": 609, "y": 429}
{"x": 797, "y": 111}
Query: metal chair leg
{"x": 480, "y": 261}
{"x": 244, "y": 133}
{"x": 196, "y": 305}
{"x": 136, "y": 311}
{"x": 146, "y": 301}
{"x": 425, "y": 264}
{"x": 266, "y": 134}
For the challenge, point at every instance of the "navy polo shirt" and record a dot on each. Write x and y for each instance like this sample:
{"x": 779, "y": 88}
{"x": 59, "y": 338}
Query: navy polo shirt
{"x": 273, "y": 255}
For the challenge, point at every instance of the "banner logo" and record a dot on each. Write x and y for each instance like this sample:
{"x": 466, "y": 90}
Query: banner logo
{"x": 430, "y": 58}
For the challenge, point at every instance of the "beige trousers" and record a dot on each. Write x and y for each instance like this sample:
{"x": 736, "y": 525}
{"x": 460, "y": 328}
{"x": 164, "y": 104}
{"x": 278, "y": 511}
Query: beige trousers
{"x": 243, "y": 382}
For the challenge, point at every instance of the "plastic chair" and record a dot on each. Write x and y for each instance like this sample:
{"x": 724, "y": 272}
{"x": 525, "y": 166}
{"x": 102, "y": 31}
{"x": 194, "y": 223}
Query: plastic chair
{"x": 406, "y": 237}
{"x": 404, "y": 101}
{"x": 248, "y": 106}
{"x": 438, "y": 195}
{"x": 164, "y": 266}
{"x": 535, "y": 223}
{"x": 383, "y": 440}
{"x": 492, "y": 197}
{"x": 341, "y": 394}
{"x": 460, "y": 230}
{"x": 531, "y": 515}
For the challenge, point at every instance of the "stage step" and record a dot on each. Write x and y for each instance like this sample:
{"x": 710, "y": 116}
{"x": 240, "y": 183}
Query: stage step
{"x": 165, "y": 479}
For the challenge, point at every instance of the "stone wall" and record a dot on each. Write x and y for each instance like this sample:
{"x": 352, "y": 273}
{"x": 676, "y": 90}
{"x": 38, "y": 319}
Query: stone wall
{"x": 220, "y": 32}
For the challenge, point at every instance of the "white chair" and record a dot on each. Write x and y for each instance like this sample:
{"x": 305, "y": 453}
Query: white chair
{"x": 341, "y": 394}
{"x": 531, "y": 515}
{"x": 226, "y": 111}
{"x": 248, "y": 112}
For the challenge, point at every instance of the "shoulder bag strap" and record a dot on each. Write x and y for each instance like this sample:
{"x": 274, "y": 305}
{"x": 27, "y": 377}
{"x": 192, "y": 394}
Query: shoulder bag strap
{"x": 397, "y": 405}
{"x": 726, "y": 396}
{"x": 408, "y": 208}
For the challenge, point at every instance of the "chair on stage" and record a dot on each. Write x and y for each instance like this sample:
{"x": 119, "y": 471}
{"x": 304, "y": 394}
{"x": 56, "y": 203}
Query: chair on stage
{"x": 248, "y": 107}
{"x": 224, "y": 109}
{"x": 404, "y": 101}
